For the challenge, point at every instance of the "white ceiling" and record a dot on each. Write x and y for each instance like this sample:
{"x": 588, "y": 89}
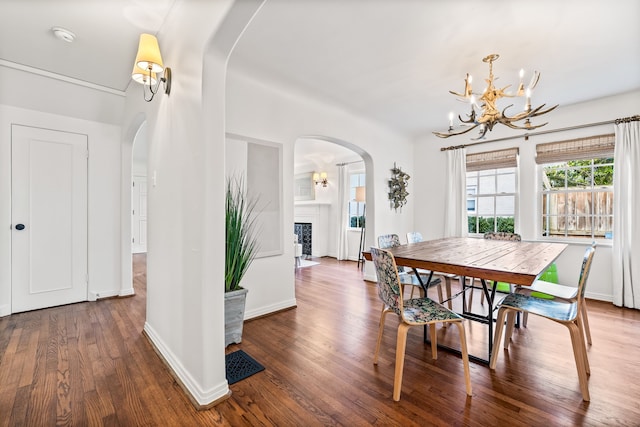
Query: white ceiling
{"x": 396, "y": 60}
{"x": 391, "y": 60}
{"x": 107, "y": 33}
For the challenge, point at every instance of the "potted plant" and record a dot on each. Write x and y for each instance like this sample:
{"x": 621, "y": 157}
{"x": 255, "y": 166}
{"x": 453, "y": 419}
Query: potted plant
{"x": 241, "y": 247}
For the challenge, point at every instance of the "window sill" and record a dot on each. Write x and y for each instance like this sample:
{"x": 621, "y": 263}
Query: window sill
{"x": 577, "y": 241}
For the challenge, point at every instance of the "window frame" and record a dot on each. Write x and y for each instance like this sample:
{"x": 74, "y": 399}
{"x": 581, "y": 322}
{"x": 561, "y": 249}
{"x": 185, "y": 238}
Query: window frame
{"x": 360, "y": 206}
{"x": 591, "y": 191}
{"x": 495, "y": 173}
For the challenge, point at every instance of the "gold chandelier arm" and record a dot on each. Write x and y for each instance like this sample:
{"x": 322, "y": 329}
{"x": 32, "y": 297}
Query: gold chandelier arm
{"x": 461, "y": 132}
{"x": 524, "y": 127}
{"x": 537, "y": 112}
{"x": 482, "y": 134}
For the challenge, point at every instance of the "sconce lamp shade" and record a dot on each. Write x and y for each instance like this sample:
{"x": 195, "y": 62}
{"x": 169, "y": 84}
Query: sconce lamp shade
{"x": 142, "y": 76}
{"x": 316, "y": 177}
{"x": 149, "y": 54}
{"x": 360, "y": 194}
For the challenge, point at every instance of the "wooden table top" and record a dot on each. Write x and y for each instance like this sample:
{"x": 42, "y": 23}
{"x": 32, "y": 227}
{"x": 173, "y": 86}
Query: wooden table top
{"x": 519, "y": 263}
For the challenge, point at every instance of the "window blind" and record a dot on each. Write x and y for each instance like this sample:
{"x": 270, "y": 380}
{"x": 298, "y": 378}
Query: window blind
{"x": 592, "y": 147}
{"x": 507, "y": 158}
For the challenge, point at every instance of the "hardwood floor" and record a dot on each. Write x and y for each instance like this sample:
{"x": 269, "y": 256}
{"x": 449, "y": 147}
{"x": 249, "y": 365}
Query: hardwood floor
{"x": 89, "y": 364}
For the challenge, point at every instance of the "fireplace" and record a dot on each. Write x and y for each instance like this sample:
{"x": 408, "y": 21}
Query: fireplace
{"x": 304, "y": 232}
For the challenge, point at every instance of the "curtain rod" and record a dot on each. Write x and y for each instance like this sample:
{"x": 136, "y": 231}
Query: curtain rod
{"x": 543, "y": 132}
{"x": 348, "y": 163}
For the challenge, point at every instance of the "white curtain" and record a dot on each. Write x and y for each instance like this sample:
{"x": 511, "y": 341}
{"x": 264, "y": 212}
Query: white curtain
{"x": 626, "y": 214}
{"x": 343, "y": 212}
{"x": 455, "y": 207}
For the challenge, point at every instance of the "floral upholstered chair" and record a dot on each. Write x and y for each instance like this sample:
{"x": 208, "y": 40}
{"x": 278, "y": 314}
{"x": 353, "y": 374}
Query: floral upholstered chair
{"x": 412, "y": 312}
{"x": 567, "y": 313}
{"x": 506, "y": 236}
{"x": 416, "y": 237}
{"x": 415, "y": 277}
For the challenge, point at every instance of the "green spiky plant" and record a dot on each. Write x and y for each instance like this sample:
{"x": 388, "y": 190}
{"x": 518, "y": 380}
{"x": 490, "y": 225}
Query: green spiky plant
{"x": 241, "y": 233}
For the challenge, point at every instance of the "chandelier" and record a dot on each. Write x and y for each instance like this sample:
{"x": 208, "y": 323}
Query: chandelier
{"x": 489, "y": 114}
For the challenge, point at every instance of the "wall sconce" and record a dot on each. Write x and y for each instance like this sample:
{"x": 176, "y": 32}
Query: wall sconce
{"x": 320, "y": 178}
{"x": 147, "y": 66}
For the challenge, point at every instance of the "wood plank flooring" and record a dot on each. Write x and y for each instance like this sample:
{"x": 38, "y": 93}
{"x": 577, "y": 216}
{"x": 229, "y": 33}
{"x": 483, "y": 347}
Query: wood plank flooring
{"x": 89, "y": 364}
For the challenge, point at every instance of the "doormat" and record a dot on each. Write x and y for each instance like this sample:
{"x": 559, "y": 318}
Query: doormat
{"x": 239, "y": 365}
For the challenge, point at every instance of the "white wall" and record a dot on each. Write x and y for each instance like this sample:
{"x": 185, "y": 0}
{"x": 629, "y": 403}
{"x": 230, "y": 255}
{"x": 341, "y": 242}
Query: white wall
{"x": 264, "y": 111}
{"x": 104, "y": 197}
{"x": 430, "y": 198}
{"x": 185, "y": 258}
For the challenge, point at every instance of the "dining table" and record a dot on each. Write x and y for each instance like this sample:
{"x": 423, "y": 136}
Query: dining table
{"x": 515, "y": 262}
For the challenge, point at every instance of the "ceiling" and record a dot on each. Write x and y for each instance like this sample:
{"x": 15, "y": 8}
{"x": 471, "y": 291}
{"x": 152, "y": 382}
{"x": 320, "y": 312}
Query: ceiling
{"x": 391, "y": 60}
{"x": 107, "y": 33}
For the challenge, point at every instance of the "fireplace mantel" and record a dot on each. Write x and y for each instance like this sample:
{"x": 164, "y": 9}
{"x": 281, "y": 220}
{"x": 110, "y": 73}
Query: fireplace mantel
{"x": 317, "y": 214}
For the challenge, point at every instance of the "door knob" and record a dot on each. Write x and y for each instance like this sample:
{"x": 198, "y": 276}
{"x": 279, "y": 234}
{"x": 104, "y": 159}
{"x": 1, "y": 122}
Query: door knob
{"x": 19, "y": 226}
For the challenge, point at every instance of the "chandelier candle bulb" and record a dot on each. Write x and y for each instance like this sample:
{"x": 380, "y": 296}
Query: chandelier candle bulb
{"x": 521, "y": 85}
{"x": 489, "y": 112}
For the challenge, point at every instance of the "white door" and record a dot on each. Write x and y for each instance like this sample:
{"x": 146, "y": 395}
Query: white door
{"x": 49, "y": 218}
{"x": 139, "y": 214}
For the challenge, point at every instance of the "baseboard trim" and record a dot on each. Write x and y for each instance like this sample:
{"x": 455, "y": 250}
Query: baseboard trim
{"x": 94, "y": 296}
{"x": 127, "y": 292}
{"x": 201, "y": 399}
{"x": 269, "y": 309}
{"x": 5, "y": 310}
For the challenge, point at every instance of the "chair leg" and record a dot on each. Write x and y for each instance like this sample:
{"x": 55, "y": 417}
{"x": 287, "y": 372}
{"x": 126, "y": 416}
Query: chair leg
{"x": 447, "y": 284}
{"x": 383, "y": 314}
{"x": 585, "y": 321}
{"x": 464, "y": 287}
{"x": 579, "y": 350}
{"x": 434, "y": 341}
{"x": 511, "y": 322}
{"x": 525, "y": 317}
{"x": 581, "y": 328}
{"x": 440, "y": 299}
{"x": 497, "y": 336}
{"x": 465, "y": 357}
{"x": 401, "y": 345}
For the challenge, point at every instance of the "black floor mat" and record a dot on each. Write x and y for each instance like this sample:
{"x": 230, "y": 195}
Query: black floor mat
{"x": 239, "y": 365}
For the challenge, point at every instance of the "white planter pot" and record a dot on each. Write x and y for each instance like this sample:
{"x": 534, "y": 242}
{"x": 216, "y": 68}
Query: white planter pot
{"x": 234, "y": 303}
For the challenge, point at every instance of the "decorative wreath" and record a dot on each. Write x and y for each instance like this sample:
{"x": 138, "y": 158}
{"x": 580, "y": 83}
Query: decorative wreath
{"x": 398, "y": 188}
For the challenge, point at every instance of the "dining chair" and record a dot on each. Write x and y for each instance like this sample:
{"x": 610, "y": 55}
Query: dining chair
{"x": 506, "y": 236}
{"x": 416, "y": 237}
{"x": 550, "y": 290}
{"x": 567, "y": 313}
{"x": 414, "y": 278}
{"x": 412, "y": 312}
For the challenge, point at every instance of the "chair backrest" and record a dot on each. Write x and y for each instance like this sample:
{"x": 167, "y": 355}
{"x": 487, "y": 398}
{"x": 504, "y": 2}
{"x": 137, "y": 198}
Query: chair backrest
{"x": 502, "y": 235}
{"x": 584, "y": 271}
{"x": 386, "y": 241}
{"x": 389, "y": 287}
{"x": 414, "y": 237}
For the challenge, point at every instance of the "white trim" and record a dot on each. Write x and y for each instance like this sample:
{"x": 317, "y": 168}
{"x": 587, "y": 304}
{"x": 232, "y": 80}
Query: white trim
{"x": 270, "y": 309}
{"x": 203, "y": 397}
{"x": 5, "y": 310}
{"x": 60, "y": 77}
{"x": 127, "y": 292}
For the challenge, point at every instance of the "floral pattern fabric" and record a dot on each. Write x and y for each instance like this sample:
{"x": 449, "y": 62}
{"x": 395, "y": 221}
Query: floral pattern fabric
{"x": 413, "y": 311}
{"x": 502, "y": 235}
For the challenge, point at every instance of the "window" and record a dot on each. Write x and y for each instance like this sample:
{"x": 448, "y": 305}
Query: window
{"x": 577, "y": 187}
{"x": 492, "y": 191}
{"x": 356, "y": 208}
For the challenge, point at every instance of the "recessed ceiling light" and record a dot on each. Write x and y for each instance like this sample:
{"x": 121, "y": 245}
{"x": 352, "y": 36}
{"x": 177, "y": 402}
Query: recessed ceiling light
{"x": 63, "y": 34}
